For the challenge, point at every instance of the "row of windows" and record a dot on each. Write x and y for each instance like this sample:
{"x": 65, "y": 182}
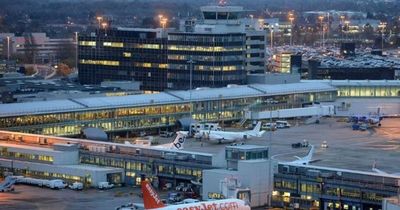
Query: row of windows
{"x": 153, "y": 168}
{"x": 205, "y": 68}
{"x": 87, "y": 43}
{"x": 369, "y": 91}
{"x": 204, "y": 48}
{"x": 206, "y": 58}
{"x": 151, "y": 65}
{"x": 121, "y": 45}
{"x": 113, "y": 44}
{"x": 47, "y": 175}
{"x": 315, "y": 188}
{"x": 202, "y": 38}
{"x": 24, "y": 156}
{"x": 99, "y": 62}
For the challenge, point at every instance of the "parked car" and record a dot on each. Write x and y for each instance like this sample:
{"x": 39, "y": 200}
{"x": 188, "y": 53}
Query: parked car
{"x": 282, "y": 124}
{"x": 76, "y": 186}
{"x": 269, "y": 126}
{"x": 324, "y": 144}
{"x": 300, "y": 144}
{"x": 180, "y": 186}
{"x": 175, "y": 197}
{"x": 104, "y": 185}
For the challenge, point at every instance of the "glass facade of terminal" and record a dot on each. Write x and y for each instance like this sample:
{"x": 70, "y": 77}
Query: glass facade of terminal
{"x": 166, "y": 171}
{"x": 368, "y": 91}
{"x": 330, "y": 189}
{"x": 154, "y": 116}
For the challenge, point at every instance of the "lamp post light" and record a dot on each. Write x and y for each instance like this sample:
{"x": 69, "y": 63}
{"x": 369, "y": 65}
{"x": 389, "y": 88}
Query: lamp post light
{"x": 321, "y": 18}
{"x": 8, "y": 48}
{"x": 383, "y": 27}
{"x": 163, "y": 22}
{"x": 99, "y": 20}
{"x": 347, "y": 24}
{"x": 76, "y": 50}
{"x": 342, "y": 19}
{"x": 191, "y": 62}
{"x": 272, "y": 36}
{"x": 291, "y": 19}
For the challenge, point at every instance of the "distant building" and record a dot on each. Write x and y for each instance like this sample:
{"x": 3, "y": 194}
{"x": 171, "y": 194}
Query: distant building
{"x": 286, "y": 63}
{"x": 351, "y": 72}
{"x": 38, "y": 46}
{"x": 218, "y": 59}
{"x": 124, "y": 54}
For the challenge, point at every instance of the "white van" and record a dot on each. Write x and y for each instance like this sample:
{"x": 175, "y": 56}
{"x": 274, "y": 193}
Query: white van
{"x": 282, "y": 124}
{"x": 196, "y": 127}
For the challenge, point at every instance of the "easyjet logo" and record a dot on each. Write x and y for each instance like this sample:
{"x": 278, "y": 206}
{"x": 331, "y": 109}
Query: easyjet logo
{"x": 152, "y": 193}
{"x": 178, "y": 144}
{"x": 213, "y": 206}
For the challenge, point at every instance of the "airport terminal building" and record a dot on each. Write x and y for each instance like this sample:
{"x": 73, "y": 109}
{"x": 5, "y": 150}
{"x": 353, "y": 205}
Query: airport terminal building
{"x": 126, "y": 115}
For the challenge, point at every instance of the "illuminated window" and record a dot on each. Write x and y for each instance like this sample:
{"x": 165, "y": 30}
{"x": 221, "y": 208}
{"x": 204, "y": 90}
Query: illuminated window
{"x": 127, "y": 54}
{"x": 147, "y": 46}
{"x": 100, "y": 62}
{"x": 162, "y": 65}
{"x": 113, "y": 44}
{"x": 87, "y": 43}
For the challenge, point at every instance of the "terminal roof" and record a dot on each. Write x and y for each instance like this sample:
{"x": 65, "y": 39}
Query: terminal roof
{"x": 172, "y": 97}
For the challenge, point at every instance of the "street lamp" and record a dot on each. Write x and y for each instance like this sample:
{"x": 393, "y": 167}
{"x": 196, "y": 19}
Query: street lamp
{"x": 321, "y": 18}
{"x": 383, "y": 27}
{"x": 99, "y": 20}
{"x": 8, "y": 48}
{"x": 76, "y": 50}
{"x": 272, "y": 34}
{"x": 291, "y": 18}
{"x": 163, "y": 22}
{"x": 191, "y": 62}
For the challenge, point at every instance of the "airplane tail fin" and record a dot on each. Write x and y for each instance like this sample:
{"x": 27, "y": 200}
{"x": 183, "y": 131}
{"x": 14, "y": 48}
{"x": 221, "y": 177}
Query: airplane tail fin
{"x": 179, "y": 141}
{"x": 151, "y": 200}
{"x": 256, "y": 130}
{"x": 374, "y": 169}
{"x": 310, "y": 154}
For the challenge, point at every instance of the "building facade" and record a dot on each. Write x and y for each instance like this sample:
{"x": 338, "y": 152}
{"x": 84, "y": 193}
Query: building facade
{"x": 35, "y": 47}
{"x": 94, "y": 161}
{"x": 123, "y": 54}
{"x": 314, "y": 187}
{"x": 215, "y": 60}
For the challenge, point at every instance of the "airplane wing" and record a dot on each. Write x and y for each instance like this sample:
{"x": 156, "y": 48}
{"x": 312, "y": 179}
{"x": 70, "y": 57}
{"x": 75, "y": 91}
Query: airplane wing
{"x": 298, "y": 158}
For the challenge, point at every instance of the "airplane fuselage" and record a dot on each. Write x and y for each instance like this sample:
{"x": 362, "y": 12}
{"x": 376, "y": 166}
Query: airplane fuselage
{"x": 224, "y": 136}
{"x": 225, "y": 204}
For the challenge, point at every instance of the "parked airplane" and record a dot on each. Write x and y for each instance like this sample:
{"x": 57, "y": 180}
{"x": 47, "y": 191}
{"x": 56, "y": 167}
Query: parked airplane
{"x": 153, "y": 201}
{"x": 306, "y": 159}
{"x": 374, "y": 169}
{"x": 372, "y": 119}
{"x": 177, "y": 144}
{"x": 229, "y": 136}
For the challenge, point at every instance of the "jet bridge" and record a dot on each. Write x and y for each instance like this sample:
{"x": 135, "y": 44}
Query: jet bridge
{"x": 319, "y": 110}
